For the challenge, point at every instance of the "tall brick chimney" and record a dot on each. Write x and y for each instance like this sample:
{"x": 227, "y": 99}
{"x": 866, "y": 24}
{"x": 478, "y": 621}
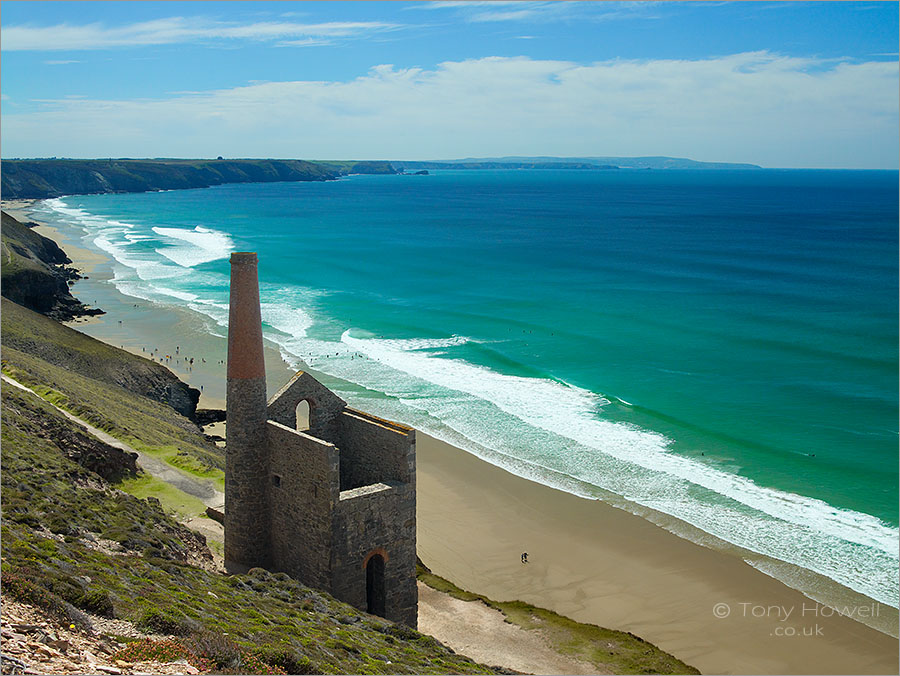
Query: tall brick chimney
{"x": 246, "y": 451}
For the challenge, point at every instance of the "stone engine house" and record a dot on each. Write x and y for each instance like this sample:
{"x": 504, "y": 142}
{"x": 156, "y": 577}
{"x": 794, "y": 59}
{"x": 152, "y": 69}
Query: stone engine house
{"x": 333, "y": 505}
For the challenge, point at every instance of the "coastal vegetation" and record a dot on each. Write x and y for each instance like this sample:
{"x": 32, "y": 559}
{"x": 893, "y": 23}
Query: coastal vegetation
{"x": 33, "y": 335}
{"x": 75, "y": 544}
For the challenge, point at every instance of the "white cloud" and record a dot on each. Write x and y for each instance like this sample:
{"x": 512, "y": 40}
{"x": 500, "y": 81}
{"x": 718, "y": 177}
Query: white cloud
{"x": 60, "y": 62}
{"x": 481, "y": 11}
{"x": 178, "y": 30}
{"x": 755, "y": 107}
{"x": 450, "y": 4}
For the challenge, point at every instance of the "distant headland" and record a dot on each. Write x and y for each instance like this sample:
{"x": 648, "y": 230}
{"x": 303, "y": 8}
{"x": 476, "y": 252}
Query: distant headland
{"x": 53, "y": 177}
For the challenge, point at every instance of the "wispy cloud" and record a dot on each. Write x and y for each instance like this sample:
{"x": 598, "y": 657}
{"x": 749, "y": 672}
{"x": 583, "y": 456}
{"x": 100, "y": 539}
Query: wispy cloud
{"x": 60, "y": 62}
{"x": 499, "y": 10}
{"x": 180, "y": 30}
{"x": 754, "y": 107}
{"x": 481, "y": 11}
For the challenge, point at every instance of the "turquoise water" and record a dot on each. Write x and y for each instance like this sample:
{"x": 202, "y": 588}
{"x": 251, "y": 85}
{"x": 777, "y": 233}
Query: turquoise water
{"x": 717, "y": 346}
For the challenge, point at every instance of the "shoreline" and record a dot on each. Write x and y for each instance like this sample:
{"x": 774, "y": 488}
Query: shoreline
{"x": 588, "y": 560}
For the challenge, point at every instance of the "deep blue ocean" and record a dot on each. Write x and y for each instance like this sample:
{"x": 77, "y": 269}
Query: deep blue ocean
{"x": 719, "y": 346}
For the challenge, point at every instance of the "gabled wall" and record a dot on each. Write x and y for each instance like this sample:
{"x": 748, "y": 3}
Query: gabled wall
{"x": 324, "y": 405}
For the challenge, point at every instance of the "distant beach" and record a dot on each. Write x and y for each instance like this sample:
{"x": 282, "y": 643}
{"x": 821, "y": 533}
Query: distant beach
{"x": 587, "y": 560}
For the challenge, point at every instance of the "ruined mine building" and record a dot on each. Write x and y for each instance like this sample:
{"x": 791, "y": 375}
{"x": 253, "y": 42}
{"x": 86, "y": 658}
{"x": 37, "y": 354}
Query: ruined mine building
{"x": 332, "y": 505}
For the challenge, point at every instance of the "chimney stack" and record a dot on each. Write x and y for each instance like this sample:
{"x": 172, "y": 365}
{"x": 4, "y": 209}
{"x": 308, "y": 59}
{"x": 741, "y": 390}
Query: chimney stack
{"x": 246, "y": 449}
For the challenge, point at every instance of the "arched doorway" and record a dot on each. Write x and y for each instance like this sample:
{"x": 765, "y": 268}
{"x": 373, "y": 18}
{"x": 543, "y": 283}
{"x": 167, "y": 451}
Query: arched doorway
{"x": 375, "y": 594}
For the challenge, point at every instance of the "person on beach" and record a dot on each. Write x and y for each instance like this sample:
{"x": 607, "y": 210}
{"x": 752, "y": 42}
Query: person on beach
{"x": 524, "y": 557}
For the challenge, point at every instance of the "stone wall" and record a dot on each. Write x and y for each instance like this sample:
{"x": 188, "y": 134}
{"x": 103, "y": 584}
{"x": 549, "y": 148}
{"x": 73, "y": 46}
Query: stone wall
{"x": 303, "y": 492}
{"x": 379, "y": 518}
{"x": 373, "y": 450}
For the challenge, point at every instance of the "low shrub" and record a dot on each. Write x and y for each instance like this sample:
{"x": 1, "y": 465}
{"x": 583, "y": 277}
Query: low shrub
{"x": 286, "y": 659}
{"x": 19, "y": 585}
{"x": 166, "y": 650}
{"x": 217, "y": 648}
{"x": 164, "y": 622}
{"x": 97, "y": 601}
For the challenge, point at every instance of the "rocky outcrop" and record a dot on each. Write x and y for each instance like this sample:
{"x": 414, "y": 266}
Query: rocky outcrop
{"x": 208, "y": 416}
{"x": 35, "y": 273}
{"x": 108, "y": 462}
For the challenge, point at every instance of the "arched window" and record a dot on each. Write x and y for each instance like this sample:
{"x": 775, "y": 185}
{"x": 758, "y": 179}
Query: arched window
{"x": 375, "y": 585}
{"x": 303, "y": 413}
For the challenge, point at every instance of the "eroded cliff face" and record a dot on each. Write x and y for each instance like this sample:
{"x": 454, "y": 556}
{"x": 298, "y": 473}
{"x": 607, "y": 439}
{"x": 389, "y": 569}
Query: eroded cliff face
{"x": 35, "y": 273}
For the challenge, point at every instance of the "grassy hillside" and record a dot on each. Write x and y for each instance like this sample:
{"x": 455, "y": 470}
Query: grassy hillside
{"x": 31, "y": 333}
{"x": 72, "y": 543}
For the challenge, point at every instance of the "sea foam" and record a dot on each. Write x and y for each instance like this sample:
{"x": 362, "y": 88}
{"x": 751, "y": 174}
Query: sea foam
{"x": 632, "y": 462}
{"x": 194, "y": 247}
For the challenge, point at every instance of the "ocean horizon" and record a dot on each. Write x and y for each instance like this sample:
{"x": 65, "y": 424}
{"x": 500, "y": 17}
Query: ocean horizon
{"x": 720, "y": 347}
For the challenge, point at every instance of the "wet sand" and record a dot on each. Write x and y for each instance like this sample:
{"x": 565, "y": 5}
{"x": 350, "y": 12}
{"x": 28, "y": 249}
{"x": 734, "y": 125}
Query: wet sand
{"x": 587, "y": 560}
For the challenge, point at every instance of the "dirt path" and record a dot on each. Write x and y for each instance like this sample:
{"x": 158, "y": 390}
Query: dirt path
{"x": 204, "y": 489}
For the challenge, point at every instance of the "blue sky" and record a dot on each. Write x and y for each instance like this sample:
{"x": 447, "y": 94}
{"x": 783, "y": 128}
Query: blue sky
{"x": 792, "y": 84}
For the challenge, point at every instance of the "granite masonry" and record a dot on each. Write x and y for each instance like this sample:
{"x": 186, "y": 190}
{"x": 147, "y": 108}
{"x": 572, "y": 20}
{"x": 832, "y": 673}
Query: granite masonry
{"x": 313, "y": 488}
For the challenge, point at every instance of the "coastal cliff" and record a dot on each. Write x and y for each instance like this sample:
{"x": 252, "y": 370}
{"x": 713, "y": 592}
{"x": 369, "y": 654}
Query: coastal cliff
{"x": 36, "y": 272}
{"x": 53, "y": 177}
{"x": 67, "y": 348}
{"x": 38, "y": 179}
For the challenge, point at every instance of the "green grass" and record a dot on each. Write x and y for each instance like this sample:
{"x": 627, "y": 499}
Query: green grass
{"x": 171, "y": 499}
{"x": 175, "y": 457}
{"x": 607, "y": 649}
{"x": 138, "y": 421}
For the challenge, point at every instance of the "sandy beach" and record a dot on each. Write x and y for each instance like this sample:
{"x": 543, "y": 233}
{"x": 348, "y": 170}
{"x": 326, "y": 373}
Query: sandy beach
{"x": 587, "y": 560}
